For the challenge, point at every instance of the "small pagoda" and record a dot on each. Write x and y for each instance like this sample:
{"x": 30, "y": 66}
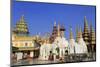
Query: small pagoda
{"x": 21, "y": 27}
{"x": 55, "y": 31}
{"x": 86, "y": 34}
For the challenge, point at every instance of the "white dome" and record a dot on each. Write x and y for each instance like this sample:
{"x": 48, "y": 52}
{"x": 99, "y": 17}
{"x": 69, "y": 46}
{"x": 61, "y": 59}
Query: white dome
{"x": 71, "y": 46}
{"x": 83, "y": 46}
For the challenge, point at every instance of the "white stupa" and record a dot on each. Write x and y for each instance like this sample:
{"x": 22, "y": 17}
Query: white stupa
{"x": 77, "y": 47}
{"x": 42, "y": 50}
{"x": 72, "y": 43}
{"x": 81, "y": 43}
{"x": 45, "y": 49}
{"x": 61, "y": 43}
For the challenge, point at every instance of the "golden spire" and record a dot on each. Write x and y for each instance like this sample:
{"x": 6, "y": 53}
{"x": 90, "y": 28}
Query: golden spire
{"x": 85, "y": 22}
{"x": 86, "y": 31}
{"x": 92, "y": 35}
{"x": 80, "y": 33}
{"x": 77, "y": 36}
{"x": 91, "y": 28}
{"x": 21, "y": 27}
{"x": 58, "y": 34}
{"x": 22, "y": 18}
{"x": 54, "y": 23}
{"x": 71, "y": 34}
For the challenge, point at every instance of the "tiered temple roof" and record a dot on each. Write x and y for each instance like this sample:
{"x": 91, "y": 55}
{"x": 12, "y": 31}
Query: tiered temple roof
{"x": 92, "y": 38}
{"x": 86, "y": 31}
{"x": 21, "y": 27}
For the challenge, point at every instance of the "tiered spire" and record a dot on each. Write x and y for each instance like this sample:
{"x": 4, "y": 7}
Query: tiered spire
{"x": 92, "y": 38}
{"x": 86, "y": 34}
{"x": 54, "y": 32}
{"x": 54, "y": 29}
{"x": 85, "y": 22}
{"x": 21, "y": 27}
{"x": 58, "y": 30}
{"x": 86, "y": 31}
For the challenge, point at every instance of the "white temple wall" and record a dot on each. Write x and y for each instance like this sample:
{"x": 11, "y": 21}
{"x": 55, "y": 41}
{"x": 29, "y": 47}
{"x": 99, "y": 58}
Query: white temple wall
{"x": 23, "y": 43}
{"x": 83, "y": 46}
{"x": 71, "y": 46}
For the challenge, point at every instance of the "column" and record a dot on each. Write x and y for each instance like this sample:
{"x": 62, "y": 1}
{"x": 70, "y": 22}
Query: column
{"x": 31, "y": 54}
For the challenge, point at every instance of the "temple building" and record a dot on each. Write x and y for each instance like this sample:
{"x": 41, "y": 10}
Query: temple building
{"x": 26, "y": 44}
{"x": 51, "y": 46}
{"x": 86, "y": 34}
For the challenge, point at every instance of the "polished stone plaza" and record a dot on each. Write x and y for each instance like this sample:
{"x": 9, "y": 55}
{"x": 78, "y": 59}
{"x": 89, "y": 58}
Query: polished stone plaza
{"x": 67, "y": 59}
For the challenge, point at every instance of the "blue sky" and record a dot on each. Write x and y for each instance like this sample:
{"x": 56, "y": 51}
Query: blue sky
{"x": 40, "y": 17}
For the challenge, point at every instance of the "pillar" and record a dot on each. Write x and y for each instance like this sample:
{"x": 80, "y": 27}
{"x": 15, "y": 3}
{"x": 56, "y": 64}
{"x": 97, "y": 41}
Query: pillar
{"x": 31, "y": 54}
{"x": 19, "y": 55}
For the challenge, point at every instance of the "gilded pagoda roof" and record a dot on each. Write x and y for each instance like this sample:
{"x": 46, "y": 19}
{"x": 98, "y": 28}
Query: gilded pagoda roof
{"x": 21, "y": 26}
